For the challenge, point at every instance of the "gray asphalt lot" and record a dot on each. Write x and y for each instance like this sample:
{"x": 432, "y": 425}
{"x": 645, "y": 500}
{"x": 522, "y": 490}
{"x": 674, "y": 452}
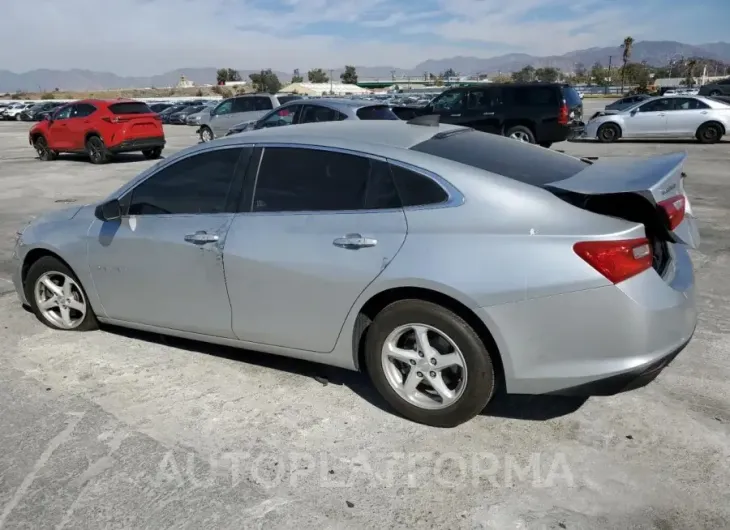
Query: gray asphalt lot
{"x": 116, "y": 429}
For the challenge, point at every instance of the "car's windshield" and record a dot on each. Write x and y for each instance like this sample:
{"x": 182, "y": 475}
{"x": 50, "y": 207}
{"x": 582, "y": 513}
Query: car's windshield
{"x": 502, "y": 156}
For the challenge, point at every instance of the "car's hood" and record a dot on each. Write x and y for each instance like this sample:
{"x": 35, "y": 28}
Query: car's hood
{"x": 64, "y": 214}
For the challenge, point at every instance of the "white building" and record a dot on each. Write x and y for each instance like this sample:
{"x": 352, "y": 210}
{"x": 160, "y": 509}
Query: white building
{"x": 323, "y": 89}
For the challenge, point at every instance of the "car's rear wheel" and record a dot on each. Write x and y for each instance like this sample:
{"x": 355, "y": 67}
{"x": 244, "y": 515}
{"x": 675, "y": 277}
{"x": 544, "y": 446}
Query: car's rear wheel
{"x": 546, "y": 145}
{"x": 428, "y": 363}
{"x": 206, "y": 134}
{"x": 715, "y": 93}
{"x": 709, "y": 133}
{"x": 521, "y": 134}
{"x": 56, "y": 297}
{"x": 45, "y": 153}
{"x": 17, "y": 117}
{"x": 97, "y": 151}
{"x": 152, "y": 154}
{"x": 608, "y": 133}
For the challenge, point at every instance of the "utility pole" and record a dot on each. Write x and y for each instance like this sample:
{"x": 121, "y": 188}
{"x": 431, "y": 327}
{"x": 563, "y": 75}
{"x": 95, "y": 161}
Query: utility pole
{"x": 331, "y": 89}
{"x": 610, "y": 59}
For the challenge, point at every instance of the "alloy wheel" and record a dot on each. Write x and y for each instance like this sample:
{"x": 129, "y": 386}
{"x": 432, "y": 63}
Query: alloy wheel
{"x": 520, "y": 136}
{"x": 60, "y": 300}
{"x": 424, "y": 366}
{"x": 206, "y": 135}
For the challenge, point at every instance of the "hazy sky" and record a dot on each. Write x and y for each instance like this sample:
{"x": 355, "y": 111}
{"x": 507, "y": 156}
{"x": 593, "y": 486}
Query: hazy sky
{"x": 140, "y": 37}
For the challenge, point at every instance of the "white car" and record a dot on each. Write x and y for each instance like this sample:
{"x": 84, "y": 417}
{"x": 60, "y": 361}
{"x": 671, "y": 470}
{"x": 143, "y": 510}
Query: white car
{"x": 680, "y": 116}
{"x": 12, "y": 111}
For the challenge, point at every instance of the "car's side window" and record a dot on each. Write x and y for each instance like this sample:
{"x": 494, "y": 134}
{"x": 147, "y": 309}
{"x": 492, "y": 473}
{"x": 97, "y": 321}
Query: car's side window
{"x": 262, "y": 103}
{"x": 317, "y": 113}
{"x": 282, "y": 116}
{"x": 63, "y": 113}
{"x": 659, "y": 105}
{"x": 243, "y": 105}
{"x": 450, "y": 101}
{"x": 224, "y": 108}
{"x": 295, "y": 179}
{"x": 689, "y": 104}
{"x": 198, "y": 184}
{"x": 415, "y": 189}
{"x": 82, "y": 110}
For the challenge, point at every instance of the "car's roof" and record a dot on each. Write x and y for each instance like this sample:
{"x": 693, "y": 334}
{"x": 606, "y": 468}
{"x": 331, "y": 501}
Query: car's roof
{"x": 338, "y": 103}
{"x": 392, "y": 133}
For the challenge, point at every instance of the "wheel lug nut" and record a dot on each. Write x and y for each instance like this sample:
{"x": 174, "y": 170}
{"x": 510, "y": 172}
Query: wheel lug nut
{"x": 420, "y": 354}
{"x": 419, "y": 374}
{"x": 413, "y": 363}
{"x": 433, "y": 362}
{"x": 432, "y": 374}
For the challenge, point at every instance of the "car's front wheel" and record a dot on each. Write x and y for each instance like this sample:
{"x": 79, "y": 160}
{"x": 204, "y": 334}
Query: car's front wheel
{"x": 608, "y": 133}
{"x": 152, "y": 154}
{"x": 56, "y": 297}
{"x": 428, "y": 363}
{"x": 206, "y": 134}
{"x": 715, "y": 93}
{"x": 45, "y": 153}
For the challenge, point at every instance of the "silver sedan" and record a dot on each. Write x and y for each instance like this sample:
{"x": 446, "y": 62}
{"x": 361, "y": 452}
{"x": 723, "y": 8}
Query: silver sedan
{"x": 705, "y": 119}
{"x": 443, "y": 261}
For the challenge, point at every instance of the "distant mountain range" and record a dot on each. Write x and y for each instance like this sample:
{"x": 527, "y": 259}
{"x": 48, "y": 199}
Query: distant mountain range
{"x": 655, "y": 53}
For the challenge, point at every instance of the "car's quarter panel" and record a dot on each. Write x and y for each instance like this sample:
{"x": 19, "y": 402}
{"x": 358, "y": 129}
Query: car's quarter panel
{"x": 145, "y": 271}
{"x": 290, "y": 285}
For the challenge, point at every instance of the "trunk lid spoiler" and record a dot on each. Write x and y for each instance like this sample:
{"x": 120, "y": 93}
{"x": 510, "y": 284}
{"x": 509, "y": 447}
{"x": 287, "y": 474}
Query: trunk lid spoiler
{"x": 657, "y": 179}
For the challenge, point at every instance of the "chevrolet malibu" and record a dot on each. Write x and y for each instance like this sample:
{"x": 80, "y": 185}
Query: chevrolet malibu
{"x": 442, "y": 261}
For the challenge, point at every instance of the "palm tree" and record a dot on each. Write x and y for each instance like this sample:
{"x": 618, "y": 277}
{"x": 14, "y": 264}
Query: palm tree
{"x": 626, "y": 46}
{"x": 690, "y": 79}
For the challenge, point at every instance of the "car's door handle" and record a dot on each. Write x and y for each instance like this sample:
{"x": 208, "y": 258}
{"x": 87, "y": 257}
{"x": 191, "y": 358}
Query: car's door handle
{"x": 488, "y": 114}
{"x": 703, "y": 112}
{"x": 662, "y": 114}
{"x": 456, "y": 115}
{"x": 354, "y": 241}
{"x": 201, "y": 237}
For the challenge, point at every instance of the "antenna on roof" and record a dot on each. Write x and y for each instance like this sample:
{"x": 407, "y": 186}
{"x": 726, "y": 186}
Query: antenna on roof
{"x": 429, "y": 120}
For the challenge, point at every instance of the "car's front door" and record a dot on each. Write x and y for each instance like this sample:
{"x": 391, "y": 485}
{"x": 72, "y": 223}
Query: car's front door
{"x": 322, "y": 226}
{"x": 686, "y": 116}
{"x": 286, "y": 115}
{"x": 161, "y": 265}
{"x": 79, "y": 124}
{"x": 483, "y": 109}
{"x": 450, "y": 106}
{"x": 647, "y": 120}
{"x": 59, "y": 137}
{"x": 222, "y": 118}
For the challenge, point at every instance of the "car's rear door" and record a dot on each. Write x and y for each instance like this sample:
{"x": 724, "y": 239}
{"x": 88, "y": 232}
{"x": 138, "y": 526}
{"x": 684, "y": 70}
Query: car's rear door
{"x": 686, "y": 116}
{"x": 161, "y": 264}
{"x": 322, "y": 226}
{"x": 483, "y": 109}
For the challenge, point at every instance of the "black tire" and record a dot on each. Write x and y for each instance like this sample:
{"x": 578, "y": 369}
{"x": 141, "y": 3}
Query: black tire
{"x": 50, "y": 264}
{"x": 608, "y": 133}
{"x": 480, "y": 380}
{"x": 715, "y": 93}
{"x": 521, "y": 133}
{"x": 18, "y": 118}
{"x": 45, "y": 153}
{"x": 97, "y": 151}
{"x": 546, "y": 145}
{"x": 206, "y": 134}
{"x": 152, "y": 154}
{"x": 709, "y": 133}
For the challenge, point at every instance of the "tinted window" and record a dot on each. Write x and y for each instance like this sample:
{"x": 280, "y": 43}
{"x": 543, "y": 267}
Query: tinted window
{"x": 315, "y": 113}
{"x": 416, "y": 189}
{"x": 376, "y": 112}
{"x": 287, "y": 99}
{"x": 689, "y": 104}
{"x": 658, "y": 105}
{"x": 261, "y": 103}
{"x": 482, "y": 98}
{"x": 381, "y": 192}
{"x": 298, "y": 179}
{"x": 449, "y": 101}
{"x": 724, "y": 81}
{"x": 198, "y": 184}
{"x": 282, "y": 116}
{"x": 82, "y": 110}
{"x": 243, "y": 105}
{"x": 131, "y": 107}
{"x": 503, "y": 156}
{"x": 534, "y": 96}
{"x": 571, "y": 96}
{"x": 63, "y": 113}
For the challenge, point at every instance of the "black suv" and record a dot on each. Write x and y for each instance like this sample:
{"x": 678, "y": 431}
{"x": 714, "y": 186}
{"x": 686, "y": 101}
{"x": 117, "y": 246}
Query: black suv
{"x": 716, "y": 88}
{"x": 538, "y": 113}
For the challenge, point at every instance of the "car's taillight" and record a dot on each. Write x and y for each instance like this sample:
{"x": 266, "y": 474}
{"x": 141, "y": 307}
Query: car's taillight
{"x": 115, "y": 119}
{"x": 674, "y": 208}
{"x": 616, "y": 260}
{"x": 564, "y": 114}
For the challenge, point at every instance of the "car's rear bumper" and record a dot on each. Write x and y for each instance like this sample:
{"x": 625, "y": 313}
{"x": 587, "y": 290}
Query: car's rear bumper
{"x": 138, "y": 144}
{"x": 601, "y": 340}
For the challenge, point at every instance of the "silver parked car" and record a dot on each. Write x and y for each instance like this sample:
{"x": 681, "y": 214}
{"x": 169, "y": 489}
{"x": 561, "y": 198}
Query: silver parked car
{"x": 235, "y": 110}
{"x": 441, "y": 260}
{"x": 314, "y": 111}
{"x": 699, "y": 117}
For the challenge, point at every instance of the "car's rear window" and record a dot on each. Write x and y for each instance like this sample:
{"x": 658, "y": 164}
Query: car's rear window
{"x": 131, "y": 107}
{"x": 287, "y": 99}
{"x": 572, "y": 98}
{"x": 376, "y": 112}
{"x": 496, "y": 154}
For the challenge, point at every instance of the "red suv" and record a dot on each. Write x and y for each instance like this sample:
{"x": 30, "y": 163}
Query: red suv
{"x": 99, "y": 129}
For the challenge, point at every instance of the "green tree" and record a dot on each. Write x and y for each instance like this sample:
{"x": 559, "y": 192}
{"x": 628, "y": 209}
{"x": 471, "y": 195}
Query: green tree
{"x": 450, "y": 72}
{"x": 265, "y": 81}
{"x": 317, "y": 75}
{"x": 581, "y": 73}
{"x": 599, "y": 75}
{"x": 548, "y": 74}
{"x": 501, "y": 78}
{"x": 48, "y": 95}
{"x": 627, "y": 48}
{"x": 224, "y": 75}
{"x": 296, "y": 78}
{"x": 349, "y": 76}
{"x": 526, "y": 75}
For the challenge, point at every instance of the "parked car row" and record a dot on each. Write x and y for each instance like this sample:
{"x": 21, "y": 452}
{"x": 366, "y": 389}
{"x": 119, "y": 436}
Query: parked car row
{"x": 28, "y": 110}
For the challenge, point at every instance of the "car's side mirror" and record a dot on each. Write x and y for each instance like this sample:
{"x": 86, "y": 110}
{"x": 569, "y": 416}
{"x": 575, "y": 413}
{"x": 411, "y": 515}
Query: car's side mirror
{"x": 633, "y": 112}
{"x": 109, "y": 211}
{"x": 47, "y": 117}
